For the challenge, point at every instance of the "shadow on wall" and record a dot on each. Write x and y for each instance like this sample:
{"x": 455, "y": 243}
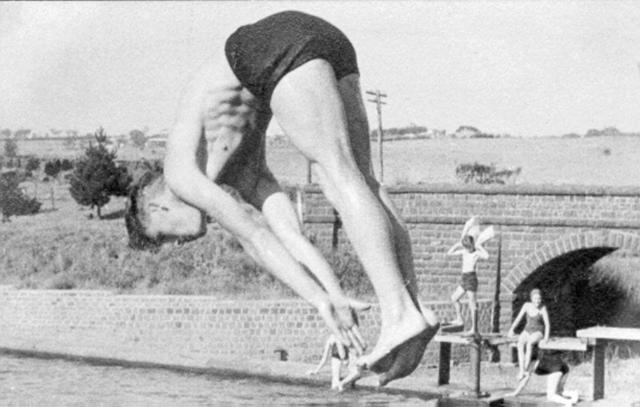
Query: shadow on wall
{"x": 581, "y": 291}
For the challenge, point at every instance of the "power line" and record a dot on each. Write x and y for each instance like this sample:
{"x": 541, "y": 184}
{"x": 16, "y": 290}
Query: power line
{"x": 377, "y": 99}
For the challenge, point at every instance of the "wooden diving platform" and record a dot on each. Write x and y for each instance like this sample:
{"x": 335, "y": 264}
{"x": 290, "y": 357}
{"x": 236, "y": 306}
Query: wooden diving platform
{"x": 598, "y": 337}
{"x": 450, "y": 335}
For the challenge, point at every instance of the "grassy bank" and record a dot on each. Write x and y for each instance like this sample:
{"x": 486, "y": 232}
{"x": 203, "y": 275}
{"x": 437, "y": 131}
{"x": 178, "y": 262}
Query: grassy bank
{"x": 68, "y": 248}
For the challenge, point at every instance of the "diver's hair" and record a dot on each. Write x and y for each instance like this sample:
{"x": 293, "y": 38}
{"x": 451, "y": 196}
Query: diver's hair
{"x": 467, "y": 241}
{"x": 138, "y": 239}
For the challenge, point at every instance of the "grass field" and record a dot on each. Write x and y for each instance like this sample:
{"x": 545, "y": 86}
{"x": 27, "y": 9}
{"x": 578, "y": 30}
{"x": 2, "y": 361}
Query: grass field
{"x": 586, "y": 161}
{"x": 589, "y": 161}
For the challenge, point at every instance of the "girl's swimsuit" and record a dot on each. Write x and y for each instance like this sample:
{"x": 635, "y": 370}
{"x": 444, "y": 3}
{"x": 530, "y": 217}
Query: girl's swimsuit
{"x": 534, "y": 323}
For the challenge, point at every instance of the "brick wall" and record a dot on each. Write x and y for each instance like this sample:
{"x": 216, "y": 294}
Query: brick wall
{"x": 173, "y": 329}
{"x": 535, "y": 224}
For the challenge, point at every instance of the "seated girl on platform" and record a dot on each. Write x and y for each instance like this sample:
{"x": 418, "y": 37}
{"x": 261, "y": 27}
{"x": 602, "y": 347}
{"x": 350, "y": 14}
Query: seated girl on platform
{"x": 537, "y": 328}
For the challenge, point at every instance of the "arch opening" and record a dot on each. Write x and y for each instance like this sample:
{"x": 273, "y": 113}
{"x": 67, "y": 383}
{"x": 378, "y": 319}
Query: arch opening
{"x": 574, "y": 295}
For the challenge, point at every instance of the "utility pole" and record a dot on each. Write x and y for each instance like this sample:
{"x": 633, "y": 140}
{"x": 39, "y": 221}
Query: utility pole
{"x": 377, "y": 99}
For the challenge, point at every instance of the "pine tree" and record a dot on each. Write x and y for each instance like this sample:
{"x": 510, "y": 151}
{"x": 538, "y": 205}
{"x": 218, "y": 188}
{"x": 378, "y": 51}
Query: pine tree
{"x": 96, "y": 177}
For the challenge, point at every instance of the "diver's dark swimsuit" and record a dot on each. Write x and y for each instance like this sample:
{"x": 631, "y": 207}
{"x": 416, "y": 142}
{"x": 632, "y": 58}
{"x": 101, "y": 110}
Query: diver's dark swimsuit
{"x": 260, "y": 54}
{"x": 550, "y": 362}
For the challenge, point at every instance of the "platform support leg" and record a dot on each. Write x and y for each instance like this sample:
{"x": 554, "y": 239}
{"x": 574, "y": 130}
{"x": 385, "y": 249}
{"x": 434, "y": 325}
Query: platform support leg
{"x": 444, "y": 364}
{"x": 598, "y": 369}
{"x": 475, "y": 367}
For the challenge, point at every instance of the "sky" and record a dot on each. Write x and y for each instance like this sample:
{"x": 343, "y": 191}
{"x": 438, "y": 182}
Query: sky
{"x": 523, "y": 68}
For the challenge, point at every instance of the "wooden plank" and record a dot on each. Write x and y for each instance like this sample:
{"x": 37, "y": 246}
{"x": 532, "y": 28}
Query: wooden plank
{"x": 609, "y": 332}
{"x": 462, "y": 340}
{"x": 564, "y": 343}
{"x": 449, "y": 328}
{"x": 561, "y": 343}
{"x": 493, "y": 339}
{"x": 501, "y": 340}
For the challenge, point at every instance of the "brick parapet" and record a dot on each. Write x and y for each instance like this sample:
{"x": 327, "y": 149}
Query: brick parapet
{"x": 166, "y": 328}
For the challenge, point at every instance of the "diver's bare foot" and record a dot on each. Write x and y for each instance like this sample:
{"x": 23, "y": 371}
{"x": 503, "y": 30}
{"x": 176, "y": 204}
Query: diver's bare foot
{"x": 393, "y": 335}
{"x": 409, "y": 355}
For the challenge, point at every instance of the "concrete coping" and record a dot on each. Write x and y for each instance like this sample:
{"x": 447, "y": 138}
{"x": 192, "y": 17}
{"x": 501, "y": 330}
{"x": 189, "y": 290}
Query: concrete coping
{"x": 497, "y": 189}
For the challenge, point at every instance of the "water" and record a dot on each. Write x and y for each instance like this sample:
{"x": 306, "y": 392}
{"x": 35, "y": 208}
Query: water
{"x": 51, "y": 382}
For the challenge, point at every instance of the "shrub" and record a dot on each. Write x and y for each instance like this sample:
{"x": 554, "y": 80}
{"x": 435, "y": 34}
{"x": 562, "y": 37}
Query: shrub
{"x": 13, "y": 201}
{"x": 486, "y": 174}
{"x": 52, "y": 168}
{"x": 66, "y": 165}
{"x": 138, "y": 138}
{"x": 32, "y": 164}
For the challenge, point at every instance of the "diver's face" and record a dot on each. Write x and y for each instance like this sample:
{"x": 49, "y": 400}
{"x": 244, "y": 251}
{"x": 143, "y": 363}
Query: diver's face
{"x": 467, "y": 243}
{"x": 536, "y": 299}
{"x": 169, "y": 218}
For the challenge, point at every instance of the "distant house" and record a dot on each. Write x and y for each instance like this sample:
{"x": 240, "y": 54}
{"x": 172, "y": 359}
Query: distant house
{"x": 157, "y": 141}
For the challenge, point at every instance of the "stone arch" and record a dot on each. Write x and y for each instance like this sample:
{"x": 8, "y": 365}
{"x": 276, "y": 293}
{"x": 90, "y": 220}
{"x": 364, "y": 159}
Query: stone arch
{"x": 584, "y": 247}
{"x": 611, "y": 239}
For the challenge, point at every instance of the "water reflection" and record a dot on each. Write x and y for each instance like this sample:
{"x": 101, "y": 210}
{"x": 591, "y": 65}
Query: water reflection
{"x": 53, "y": 382}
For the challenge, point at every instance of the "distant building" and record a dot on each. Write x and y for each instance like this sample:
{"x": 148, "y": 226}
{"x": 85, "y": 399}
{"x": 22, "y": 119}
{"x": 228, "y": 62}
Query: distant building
{"x": 157, "y": 141}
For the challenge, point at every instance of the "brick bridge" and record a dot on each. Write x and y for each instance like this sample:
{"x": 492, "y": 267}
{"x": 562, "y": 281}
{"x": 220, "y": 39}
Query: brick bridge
{"x": 547, "y": 237}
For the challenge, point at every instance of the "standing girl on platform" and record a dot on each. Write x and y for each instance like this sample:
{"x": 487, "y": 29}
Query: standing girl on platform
{"x": 471, "y": 250}
{"x": 536, "y": 329}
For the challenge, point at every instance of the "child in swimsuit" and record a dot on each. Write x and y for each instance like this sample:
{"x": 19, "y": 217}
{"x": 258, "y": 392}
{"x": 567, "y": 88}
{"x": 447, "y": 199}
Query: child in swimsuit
{"x": 537, "y": 328}
{"x": 471, "y": 253}
{"x": 550, "y": 364}
{"x": 339, "y": 354}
